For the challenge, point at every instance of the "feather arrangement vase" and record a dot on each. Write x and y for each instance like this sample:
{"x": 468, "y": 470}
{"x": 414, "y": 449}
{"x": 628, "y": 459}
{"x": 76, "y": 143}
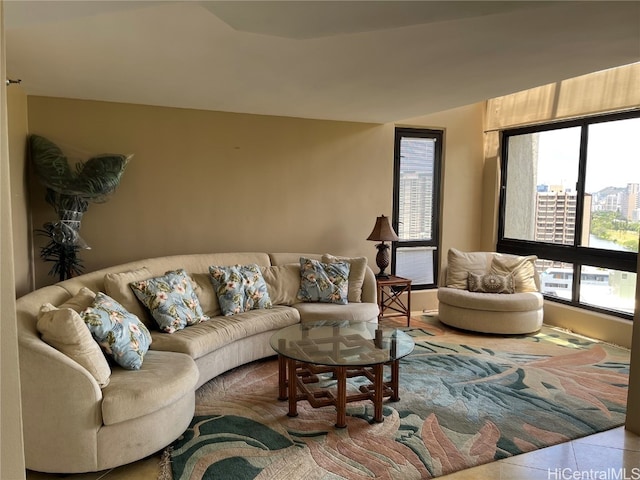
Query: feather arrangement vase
{"x": 69, "y": 191}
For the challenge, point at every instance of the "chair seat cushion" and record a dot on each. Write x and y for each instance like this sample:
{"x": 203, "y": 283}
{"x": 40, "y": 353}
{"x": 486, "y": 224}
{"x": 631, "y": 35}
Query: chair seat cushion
{"x": 163, "y": 379}
{"x": 515, "y": 302}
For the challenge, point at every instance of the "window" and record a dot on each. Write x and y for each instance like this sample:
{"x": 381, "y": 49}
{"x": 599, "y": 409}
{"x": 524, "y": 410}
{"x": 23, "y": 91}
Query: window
{"x": 416, "y": 210}
{"x": 570, "y": 194}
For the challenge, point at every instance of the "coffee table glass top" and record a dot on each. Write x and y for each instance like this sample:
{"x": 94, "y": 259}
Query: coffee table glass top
{"x": 342, "y": 343}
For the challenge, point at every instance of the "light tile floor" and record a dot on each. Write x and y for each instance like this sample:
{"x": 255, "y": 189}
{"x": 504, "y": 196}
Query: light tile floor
{"x": 610, "y": 455}
{"x": 614, "y": 454}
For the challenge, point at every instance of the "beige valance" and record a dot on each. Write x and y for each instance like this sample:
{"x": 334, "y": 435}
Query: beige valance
{"x": 613, "y": 90}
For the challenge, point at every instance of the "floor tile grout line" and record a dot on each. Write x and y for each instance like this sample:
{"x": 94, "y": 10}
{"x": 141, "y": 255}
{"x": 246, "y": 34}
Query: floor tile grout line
{"x": 103, "y": 476}
{"x": 575, "y": 457}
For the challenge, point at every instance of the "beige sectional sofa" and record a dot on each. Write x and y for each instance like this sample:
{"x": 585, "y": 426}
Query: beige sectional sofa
{"x": 73, "y": 424}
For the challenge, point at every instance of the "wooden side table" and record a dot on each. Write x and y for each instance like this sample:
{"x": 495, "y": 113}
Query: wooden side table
{"x": 390, "y": 290}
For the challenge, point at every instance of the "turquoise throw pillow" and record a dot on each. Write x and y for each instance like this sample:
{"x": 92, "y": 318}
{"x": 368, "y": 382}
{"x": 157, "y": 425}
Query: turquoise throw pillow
{"x": 120, "y": 334}
{"x": 171, "y": 300}
{"x": 239, "y": 288}
{"x": 323, "y": 282}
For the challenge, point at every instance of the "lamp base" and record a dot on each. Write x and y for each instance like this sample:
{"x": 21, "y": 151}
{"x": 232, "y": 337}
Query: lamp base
{"x": 382, "y": 259}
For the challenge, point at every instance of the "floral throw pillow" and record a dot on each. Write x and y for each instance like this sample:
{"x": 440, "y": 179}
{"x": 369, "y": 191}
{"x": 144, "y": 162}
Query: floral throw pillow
{"x": 120, "y": 334}
{"x": 171, "y": 300}
{"x": 323, "y": 282}
{"x": 239, "y": 288}
{"x": 227, "y": 282}
{"x": 256, "y": 295}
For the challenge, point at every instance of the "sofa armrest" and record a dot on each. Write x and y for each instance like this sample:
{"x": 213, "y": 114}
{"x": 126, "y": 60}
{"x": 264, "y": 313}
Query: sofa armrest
{"x": 369, "y": 288}
{"x": 60, "y": 400}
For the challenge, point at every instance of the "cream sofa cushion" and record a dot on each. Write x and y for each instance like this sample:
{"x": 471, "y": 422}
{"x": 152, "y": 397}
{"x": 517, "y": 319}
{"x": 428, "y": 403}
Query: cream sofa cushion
{"x": 459, "y": 264}
{"x": 162, "y": 380}
{"x": 116, "y": 285}
{"x": 357, "y": 269}
{"x": 522, "y": 268}
{"x": 311, "y": 312}
{"x": 283, "y": 283}
{"x": 206, "y": 294}
{"x": 81, "y": 300}
{"x": 203, "y": 338}
{"x": 64, "y": 330}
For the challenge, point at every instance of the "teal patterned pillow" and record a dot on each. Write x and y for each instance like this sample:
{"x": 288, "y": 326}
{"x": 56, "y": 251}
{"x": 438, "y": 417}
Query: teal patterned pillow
{"x": 171, "y": 300}
{"x": 239, "y": 288}
{"x": 120, "y": 333}
{"x": 227, "y": 282}
{"x": 255, "y": 288}
{"x": 323, "y": 282}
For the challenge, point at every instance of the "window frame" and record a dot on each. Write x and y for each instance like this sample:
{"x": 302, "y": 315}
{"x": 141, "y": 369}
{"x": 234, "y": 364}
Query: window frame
{"x": 575, "y": 254}
{"x": 434, "y": 242}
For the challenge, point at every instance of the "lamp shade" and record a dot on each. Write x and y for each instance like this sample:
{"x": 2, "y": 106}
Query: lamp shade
{"x": 382, "y": 231}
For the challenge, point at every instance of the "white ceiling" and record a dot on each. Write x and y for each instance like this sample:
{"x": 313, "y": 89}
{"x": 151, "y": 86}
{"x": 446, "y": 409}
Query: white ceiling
{"x": 369, "y": 61}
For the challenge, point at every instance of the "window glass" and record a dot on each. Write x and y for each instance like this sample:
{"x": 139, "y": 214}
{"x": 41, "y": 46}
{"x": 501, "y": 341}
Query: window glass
{"x": 556, "y": 278}
{"x": 415, "y": 202}
{"x": 541, "y": 186}
{"x": 607, "y": 288}
{"x": 612, "y": 185}
{"x": 415, "y": 263}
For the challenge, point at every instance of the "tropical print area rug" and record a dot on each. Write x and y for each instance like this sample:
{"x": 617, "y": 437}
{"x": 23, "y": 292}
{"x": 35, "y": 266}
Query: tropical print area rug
{"x": 466, "y": 399}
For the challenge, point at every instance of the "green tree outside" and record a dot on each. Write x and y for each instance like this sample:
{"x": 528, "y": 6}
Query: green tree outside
{"x": 613, "y": 227}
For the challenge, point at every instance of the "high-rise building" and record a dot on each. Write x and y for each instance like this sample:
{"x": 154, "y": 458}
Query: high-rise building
{"x": 630, "y": 201}
{"x": 416, "y": 190}
{"x": 555, "y": 216}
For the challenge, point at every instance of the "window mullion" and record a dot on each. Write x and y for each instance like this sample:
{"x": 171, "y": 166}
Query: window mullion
{"x": 580, "y": 186}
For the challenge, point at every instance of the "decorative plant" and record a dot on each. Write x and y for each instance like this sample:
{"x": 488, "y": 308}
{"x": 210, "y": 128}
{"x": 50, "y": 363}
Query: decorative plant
{"x": 70, "y": 192}
{"x": 66, "y": 262}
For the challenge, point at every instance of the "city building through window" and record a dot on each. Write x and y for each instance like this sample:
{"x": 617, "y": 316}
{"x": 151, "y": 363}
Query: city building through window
{"x": 418, "y": 156}
{"x": 570, "y": 194}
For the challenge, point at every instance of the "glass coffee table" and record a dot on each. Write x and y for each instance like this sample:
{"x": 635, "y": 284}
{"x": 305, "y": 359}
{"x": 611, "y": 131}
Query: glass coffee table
{"x": 344, "y": 350}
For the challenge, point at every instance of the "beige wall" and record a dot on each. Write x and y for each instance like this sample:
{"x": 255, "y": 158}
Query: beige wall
{"x": 22, "y": 231}
{"x": 210, "y": 181}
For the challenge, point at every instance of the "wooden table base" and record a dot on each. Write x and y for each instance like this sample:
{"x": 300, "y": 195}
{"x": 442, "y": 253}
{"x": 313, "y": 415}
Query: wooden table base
{"x": 304, "y": 373}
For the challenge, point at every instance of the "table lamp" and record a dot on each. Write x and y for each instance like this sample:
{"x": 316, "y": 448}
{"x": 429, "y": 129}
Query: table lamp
{"x": 383, "y": 231}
